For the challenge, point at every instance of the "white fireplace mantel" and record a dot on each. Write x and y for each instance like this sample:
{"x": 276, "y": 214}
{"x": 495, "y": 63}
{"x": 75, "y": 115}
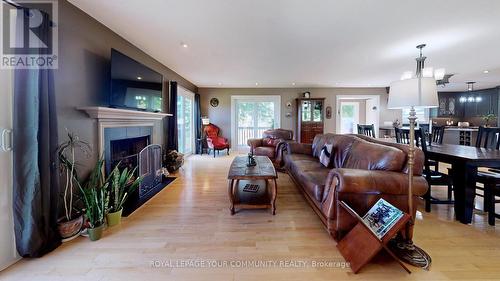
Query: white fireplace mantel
{"x": 99, "y": 112}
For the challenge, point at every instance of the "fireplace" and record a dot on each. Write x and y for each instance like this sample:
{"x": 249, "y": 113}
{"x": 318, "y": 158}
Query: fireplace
{"x": 130, "y": 147}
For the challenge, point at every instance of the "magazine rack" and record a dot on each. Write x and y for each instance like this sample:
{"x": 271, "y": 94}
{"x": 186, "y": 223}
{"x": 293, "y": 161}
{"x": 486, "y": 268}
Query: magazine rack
{"x": 361, "y": 244}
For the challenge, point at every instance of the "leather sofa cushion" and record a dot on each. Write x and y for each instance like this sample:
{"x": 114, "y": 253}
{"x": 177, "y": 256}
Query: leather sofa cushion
{"x": 265, "y": 151}
{"x": 311, "y": 174}
{"x": 371, "y": 156}
{"x": 314, "y": 182}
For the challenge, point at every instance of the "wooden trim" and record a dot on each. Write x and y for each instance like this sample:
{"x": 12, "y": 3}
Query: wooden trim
{"x": 99, "y": 112}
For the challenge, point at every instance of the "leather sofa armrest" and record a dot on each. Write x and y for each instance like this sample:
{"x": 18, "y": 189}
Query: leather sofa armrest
{"x": 376, "y": 181}
{"x": 347, "y": 182}
{"x": 253, "y": 143}
{"x": 299, "y": 148}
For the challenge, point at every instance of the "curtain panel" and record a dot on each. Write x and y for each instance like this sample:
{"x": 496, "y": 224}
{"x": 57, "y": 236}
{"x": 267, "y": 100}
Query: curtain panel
{"x": 36, "y": 184}
{"x": 197, "y": 121}
{"x": 172, "y": 140}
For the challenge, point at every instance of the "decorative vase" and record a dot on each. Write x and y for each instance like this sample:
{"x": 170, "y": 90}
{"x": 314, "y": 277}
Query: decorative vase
{"x": 114, "y": 218}
{"x": 96, "y": 232}
{"x": 70, "y": 229}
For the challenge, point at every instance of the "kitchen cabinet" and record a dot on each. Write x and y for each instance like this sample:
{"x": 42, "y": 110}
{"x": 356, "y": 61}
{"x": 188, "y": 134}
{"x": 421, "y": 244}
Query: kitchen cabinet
{"x": 450, "y": 105}
{"x": 488, "y": 103}
{"x": 461, "y": 136}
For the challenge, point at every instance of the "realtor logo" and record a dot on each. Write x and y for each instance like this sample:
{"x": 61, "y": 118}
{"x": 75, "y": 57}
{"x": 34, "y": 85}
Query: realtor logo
{"x": 29, "y": 34}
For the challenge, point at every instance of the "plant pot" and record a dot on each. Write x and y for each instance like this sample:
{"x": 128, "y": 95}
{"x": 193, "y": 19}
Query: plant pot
{"x": 70, "y": 229}
{"x": 114, "y": 218}
{"x": 96, "y": 232}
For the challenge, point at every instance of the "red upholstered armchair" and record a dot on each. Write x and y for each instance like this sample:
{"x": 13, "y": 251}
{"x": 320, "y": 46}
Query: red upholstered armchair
{"x": 214, "y": 141}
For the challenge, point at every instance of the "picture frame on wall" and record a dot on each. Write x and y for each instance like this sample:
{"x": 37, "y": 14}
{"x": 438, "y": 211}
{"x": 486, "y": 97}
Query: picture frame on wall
{"x": 328, "y": 112}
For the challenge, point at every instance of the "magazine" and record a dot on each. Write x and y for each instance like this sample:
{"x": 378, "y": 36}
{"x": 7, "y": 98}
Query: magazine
{"x": 382, "y": 217}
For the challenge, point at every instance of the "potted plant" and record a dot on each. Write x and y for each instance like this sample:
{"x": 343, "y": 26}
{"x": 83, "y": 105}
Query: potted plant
{"x": 95, "y": 197}
{"x": 487, "y": 118}
{"x": 121, "y": 184}
{"x": 70, "y": 224}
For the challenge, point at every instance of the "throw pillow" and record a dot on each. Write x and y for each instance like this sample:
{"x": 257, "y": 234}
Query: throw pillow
{"x": 326, "y": 154}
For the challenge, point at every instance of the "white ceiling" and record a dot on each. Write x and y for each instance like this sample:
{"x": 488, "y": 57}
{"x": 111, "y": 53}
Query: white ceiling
{"x": 312, "y": 43}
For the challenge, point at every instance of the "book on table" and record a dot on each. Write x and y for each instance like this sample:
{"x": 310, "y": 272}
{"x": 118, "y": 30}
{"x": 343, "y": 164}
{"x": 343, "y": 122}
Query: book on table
{"x": 382, "y": 217}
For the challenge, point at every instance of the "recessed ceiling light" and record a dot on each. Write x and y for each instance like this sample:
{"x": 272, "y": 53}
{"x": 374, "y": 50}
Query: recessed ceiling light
{"x": 139, "y": 78}
{"x": 184, "y": 45}
{"x": 486, "y": 71}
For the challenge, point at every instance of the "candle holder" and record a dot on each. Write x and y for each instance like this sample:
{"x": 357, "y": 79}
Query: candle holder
{"x": 251, "y": 160}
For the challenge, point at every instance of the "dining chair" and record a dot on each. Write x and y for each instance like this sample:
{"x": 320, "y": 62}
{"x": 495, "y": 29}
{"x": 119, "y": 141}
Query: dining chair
{"x": 433, "y": 176}
{"x": 402, "y": 135}
{"x": 437, "y": 135}
{"x": 489, "y": 137}
{"x": 367, "y": 130}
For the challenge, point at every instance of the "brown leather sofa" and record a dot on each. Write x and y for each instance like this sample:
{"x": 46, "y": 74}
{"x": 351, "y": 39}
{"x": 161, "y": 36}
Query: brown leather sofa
{"x": 362, "y": 170}
{"x": 271, "y": 145}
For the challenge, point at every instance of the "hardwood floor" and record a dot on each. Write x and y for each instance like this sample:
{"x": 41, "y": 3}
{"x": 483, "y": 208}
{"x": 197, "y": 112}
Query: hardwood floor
{"x": 190, "y": 220}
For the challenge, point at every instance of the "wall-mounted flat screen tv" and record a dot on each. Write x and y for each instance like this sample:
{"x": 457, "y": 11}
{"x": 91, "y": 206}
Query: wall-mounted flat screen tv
{"x": 134, "y": 85}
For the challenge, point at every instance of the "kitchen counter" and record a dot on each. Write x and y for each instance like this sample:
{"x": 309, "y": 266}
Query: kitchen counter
{"x": 455, "y": 128}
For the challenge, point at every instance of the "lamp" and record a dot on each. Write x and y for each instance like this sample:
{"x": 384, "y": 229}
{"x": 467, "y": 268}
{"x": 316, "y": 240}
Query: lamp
{"x": 416, "y": 92}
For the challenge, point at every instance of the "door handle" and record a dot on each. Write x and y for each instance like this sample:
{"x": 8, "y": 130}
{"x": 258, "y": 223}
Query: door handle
{"x": 6, "y": 140}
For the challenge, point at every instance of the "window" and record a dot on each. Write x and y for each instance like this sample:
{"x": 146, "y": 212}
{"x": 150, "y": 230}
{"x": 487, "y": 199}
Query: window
{"x": 185, "y": 121}
{"x": 422, "y": 115}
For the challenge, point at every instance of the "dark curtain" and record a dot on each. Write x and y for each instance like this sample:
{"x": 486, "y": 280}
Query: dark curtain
{"x": 172, "y": 141}
{"x": 36, "y": 188}
{"x": 197, "y": 121}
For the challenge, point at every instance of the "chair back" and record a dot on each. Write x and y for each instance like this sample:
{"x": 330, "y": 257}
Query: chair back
{"x": 402, "y": 135}
{"x": 278, "y": 134}
{"x": 367, "y": 130}
{"x": 420, "y": 141}
{"x": 211, "y": 131}
{"x": 437, "y": 134}
{"x": 488, "y": 137}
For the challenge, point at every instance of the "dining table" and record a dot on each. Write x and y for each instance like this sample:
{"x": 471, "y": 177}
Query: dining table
{"x": 465, "y": 161}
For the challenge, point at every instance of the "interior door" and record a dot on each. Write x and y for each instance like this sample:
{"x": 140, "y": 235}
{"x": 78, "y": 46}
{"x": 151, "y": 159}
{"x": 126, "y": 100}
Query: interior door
{"x": 185, "y": 121}
{"x": 349, "y": 117}
{"x": 8, "y": 253}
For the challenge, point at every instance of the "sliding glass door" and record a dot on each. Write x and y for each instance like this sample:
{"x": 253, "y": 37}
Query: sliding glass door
{"x": 185, "y": 121}
{"x": 252, "y": 115}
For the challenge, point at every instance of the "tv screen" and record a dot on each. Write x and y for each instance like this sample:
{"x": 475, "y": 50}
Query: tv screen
{"x": 134, "y": 85}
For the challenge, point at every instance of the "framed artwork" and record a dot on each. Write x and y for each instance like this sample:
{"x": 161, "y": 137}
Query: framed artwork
{"x": 328, "y": 112}
{"x": 214, "y": 102}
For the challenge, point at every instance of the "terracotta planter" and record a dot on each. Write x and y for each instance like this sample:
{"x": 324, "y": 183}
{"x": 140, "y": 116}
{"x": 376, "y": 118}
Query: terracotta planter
{"x": 70, "y": 229}
{"x": 96, "y": 232}
{"x": 114, "y": 218}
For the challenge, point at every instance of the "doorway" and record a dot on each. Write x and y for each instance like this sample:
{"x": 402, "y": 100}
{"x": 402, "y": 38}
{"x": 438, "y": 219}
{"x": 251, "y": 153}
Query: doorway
{"x": 8, "y": 253}
{"x": 185, "y": 121}
{"x": 349, "y": 117}
{"x": 356, "y": 109}
{"x": 251, "y": 116}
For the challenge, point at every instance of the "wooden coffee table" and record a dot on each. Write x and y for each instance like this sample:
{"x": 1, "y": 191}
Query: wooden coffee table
{"x": 260, "y": 174}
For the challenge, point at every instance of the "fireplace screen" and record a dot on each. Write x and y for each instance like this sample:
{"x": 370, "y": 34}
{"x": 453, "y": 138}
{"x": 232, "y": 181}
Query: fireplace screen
{"x": 150, "y": 168}
{"x": 125, "y": 152}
